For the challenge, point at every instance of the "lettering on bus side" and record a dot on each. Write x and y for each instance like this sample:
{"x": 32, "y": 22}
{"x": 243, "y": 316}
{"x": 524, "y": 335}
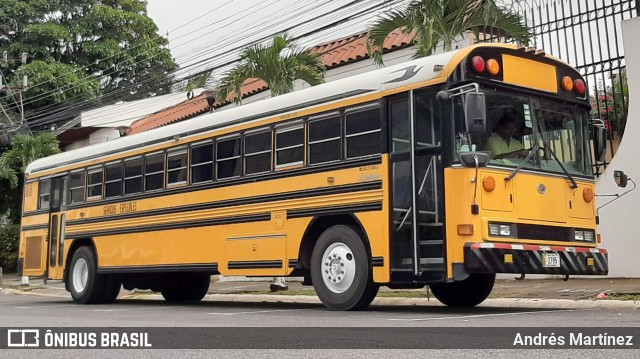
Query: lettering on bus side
{"x": 369, "y": 176}
{"x": 369, "y": 168}
{"x": 126, "y": 207}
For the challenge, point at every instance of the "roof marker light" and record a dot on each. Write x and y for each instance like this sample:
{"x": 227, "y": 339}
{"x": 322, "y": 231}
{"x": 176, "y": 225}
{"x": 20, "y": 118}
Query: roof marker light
{"x": 493, "y": 67}
{"x": 567, "y": 83}
{"x": 580, "y": 86}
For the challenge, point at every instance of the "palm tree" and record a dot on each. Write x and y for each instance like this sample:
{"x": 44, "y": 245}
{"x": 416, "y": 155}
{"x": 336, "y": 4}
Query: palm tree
{"x": 435, "y": 21}
{"x": 24, "y": 150}
{"x": 279, "y": 65}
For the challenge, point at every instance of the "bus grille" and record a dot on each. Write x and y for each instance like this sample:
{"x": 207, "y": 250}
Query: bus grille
{"x": 550, "y": 233}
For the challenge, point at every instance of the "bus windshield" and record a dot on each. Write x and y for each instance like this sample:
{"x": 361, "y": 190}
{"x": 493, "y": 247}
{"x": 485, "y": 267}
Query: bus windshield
{"x": 530, "y": 131}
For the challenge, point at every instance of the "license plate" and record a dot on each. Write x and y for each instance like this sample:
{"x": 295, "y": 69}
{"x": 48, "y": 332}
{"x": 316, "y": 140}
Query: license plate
{"x": 551, "y": 260}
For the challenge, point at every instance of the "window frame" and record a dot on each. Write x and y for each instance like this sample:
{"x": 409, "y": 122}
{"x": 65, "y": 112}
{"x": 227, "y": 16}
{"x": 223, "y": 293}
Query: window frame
{"x": 289, "y": 127}
{"x": 91, "y": 170}
{"x": 212, "y": 162}
{"x": 145, "y": 174}
{"x": 40, "y": 194}
{"x": 355, "y": 109}
{"x": 176, "y": 151}
{"x": 323, "y": 117}
{"x": 121, "y": 180}
{"x": 125, "y": 178}
{"x": 245, "y": 155}
{"x": 235, "y": 136}
{"x": 83, "y": 187}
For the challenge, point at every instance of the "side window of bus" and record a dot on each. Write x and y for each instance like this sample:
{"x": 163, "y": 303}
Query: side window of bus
{"x": 113, "y": 180}
{"x": 94, "y": 183}
{"x": 44, "y": 194}
{"x": 153, "y": 172}
{"x": 133, "y": 175}
{"x": 362, "y": 131}
{"x": 325, "y": 141}
{"x": 228, "y": 158}
{"x": 76, "y": 187}
{"x": 290, "y": 145}
{"x": 257, "y": 151}
{"x": 177, "y": 166}
{"x": 202, "y": 162}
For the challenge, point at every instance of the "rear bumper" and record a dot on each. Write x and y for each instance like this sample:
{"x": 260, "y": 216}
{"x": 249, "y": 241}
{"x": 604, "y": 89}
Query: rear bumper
{"x": 513, "y": 258}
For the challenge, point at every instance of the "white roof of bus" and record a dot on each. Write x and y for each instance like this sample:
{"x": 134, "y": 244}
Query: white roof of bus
{"x": 377, "y": 80}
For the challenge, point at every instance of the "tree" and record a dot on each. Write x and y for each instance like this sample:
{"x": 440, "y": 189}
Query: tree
{"x": 81, "y": 49}
{"x": 612, "y": 104}
{"x": 436, "y": 21}
{"x": 279, "y": 65}
{"x": 13, "y": 162}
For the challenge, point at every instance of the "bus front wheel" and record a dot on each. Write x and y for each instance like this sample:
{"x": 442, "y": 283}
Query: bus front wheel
{"x": 465, "y": 293}
{"x": 340, "y": 270}
{"x": 85, "y": 284}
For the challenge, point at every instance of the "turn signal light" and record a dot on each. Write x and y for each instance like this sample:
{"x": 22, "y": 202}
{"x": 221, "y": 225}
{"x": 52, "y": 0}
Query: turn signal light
{"x": 489, "y": 184}
{"x": 478, "y": 64}
{"x": 493, "y": 67}
{"x": 587, "y": 195}
{"x": 567, "y": 83}
{"x": 580, "y": 86}
{"x": 465, "y": 229}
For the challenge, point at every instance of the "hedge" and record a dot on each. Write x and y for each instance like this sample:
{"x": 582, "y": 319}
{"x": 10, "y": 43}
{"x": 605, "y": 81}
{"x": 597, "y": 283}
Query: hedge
{"x": 9, "y": 243}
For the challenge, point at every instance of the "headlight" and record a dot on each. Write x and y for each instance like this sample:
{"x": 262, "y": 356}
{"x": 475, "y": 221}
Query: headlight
{"x": 579, "y": 235}
{"x": 505, "y": 230}
{"x": 588, "y": 236}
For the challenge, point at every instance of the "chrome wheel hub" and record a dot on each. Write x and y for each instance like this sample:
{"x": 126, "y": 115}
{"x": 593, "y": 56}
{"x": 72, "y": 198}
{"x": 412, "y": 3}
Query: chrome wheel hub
{"x": 338, "y": 267}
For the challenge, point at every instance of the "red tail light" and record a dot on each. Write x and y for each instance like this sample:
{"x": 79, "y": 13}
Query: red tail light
{"x": 580, "y": 86}
{"x": 477, "y": 63}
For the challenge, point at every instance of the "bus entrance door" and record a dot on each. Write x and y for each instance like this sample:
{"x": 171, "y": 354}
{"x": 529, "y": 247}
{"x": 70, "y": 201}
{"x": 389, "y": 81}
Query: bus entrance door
{"x": 55, "y": 239}
{"x": 418, "y": 244}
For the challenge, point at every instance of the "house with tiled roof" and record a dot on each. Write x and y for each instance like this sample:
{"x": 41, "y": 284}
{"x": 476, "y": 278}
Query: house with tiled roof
{"x": 342, "y": 58}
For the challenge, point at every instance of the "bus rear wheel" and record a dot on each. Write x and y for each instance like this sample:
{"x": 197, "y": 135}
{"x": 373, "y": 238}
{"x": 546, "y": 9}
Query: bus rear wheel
{"x": 340, "y": 270}
{"x": 465, "y": 293}
{"x": 186, "y": 287}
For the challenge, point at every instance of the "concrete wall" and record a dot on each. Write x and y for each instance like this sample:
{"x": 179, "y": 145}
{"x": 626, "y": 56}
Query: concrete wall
{"x": 620, "y": 220}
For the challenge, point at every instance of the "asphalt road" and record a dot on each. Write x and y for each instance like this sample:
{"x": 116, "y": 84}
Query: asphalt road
{"x": 36, "y": 311}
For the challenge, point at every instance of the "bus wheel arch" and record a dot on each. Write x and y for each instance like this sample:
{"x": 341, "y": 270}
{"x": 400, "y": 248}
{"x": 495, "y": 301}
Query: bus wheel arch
{"x": 75, "y": 245}
{"x": 321, "y": 223}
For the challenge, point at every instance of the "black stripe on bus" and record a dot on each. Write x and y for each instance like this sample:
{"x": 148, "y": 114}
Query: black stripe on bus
{"x": 254, "y": 264}
{"x": 168, "y": 226}
{"x": 36, "y": 212}
{"x": 227, "y": 183}
{"x": 293, "y": 263}
{"x": 166, "y": 268}
{"x": 34, "y": 227}
{"x": 377, "y": 261}
{"x": 366, "y": 207}
{"x": 212, "y": 127}
{"x": 316, "y": 192}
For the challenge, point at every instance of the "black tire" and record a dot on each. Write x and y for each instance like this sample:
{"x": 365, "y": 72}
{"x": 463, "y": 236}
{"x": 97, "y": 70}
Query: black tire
{"x": 112, "y": 286}
{"x": 186, "y": 287}
{"x": 466, "y": 293}
{"x": 354, "y": 288}
{"x": 89, "y": 291}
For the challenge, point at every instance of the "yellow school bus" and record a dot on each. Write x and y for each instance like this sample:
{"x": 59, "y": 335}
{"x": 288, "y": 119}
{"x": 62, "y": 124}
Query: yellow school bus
{"x": 382, "y": 179}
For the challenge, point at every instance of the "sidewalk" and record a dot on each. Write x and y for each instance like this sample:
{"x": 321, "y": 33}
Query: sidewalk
{"x": 548, "y": 288}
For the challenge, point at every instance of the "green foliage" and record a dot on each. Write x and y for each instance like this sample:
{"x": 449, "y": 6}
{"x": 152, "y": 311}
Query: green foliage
{"x": 612, "y": 105}
{"x": 69, "y": 40}
{"x": 9, "y": 245}
{"x": 278, "y": 64}
{"x": 24, "y": 150}
{"x": 435, "y": 21}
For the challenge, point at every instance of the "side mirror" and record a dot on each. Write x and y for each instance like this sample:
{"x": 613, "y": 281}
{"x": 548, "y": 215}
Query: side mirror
{"x": 621, "y": 178}
{"x": 600, "y": 143}
{"x": 475, "y": 112}
{"x": 473, "y": 159}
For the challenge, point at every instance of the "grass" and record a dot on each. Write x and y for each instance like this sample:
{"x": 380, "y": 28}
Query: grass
{"x": 623, "y": 296}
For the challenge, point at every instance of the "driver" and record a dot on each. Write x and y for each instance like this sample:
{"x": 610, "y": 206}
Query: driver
{"x": 502, "y": 144}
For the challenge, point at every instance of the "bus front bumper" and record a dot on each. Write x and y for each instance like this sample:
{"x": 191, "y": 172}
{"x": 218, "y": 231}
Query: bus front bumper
{"x": 534, "y": 259}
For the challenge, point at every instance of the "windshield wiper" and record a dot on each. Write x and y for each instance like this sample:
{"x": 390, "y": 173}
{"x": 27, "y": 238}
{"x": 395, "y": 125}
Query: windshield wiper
{"x": 515, "y": 172}
{"x": 574, "y": 185}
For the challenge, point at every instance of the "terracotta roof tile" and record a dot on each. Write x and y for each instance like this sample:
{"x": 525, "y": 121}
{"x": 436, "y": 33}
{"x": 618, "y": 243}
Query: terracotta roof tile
{"x": 335, "y": 53}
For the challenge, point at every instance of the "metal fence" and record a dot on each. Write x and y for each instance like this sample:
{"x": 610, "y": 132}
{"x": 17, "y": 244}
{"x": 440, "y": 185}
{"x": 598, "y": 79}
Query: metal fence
{"x": 587, "y": 34}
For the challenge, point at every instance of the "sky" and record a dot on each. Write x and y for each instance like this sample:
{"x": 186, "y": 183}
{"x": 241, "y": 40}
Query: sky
{"x": 205, "y": 34}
